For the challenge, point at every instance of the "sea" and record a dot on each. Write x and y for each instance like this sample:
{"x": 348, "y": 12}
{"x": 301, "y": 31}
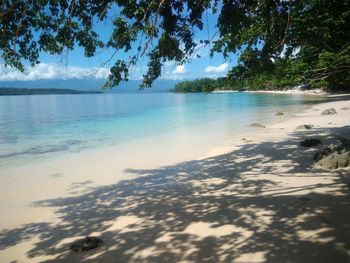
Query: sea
{"x": 40, "y": 127}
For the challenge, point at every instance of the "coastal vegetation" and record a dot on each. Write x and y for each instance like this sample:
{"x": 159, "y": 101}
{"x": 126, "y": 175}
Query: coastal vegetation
{"x": 207, "y": 85}
{"x": 278, "y": 43}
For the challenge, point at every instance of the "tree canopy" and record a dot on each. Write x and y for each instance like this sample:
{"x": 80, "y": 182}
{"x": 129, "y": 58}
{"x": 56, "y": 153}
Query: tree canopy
{"x": 280, "y": 42}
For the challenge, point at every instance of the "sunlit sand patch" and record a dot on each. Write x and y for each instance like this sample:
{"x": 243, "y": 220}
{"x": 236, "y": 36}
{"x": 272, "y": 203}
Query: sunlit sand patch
{"x": 96, "y": 255}
{"x": 300, "y": 219}
{"x": 205, "y": 229}
{"x": 218, "y": 151}
{"x": 261, "y": 218}
{"x": 13, "y": 253}
{"x": 123, "y": 224}
{"x": 202, "y": 230}
{"x": 252, "y": 257}
{"x": 145, "y": 253}
{"x": 316, "y": 235}
{"x": 208, "y": 182}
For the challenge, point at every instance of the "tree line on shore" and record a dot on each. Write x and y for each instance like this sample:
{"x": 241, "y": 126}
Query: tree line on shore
{"x": 207, "y": 85}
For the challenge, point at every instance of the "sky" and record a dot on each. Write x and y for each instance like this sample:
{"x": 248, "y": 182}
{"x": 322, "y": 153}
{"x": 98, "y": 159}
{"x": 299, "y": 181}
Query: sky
{"x": 74, "y": 65}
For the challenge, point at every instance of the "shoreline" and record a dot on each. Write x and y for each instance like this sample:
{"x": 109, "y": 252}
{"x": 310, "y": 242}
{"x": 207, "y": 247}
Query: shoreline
{"x": 290, "y": 91}
{"x": 255, "y": 159}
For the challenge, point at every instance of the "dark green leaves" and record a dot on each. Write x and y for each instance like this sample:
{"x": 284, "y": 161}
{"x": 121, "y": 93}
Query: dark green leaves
{"x": 264, "y": 33}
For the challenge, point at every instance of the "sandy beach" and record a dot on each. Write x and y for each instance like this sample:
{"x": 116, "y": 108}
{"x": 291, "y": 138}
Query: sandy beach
{"x": 287, "y": 91}
{"x": 258, "y": 198}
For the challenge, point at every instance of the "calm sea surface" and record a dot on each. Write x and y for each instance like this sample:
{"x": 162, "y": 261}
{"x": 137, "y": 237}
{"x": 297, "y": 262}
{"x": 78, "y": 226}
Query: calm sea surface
{"x": 44, "y": 126}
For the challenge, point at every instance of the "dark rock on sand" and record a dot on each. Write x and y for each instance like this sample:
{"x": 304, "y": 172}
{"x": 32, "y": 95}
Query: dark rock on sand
{"x": 279, "y": 113}
{"x": 305, "y": 127}
{"x": 257, "y": 125}
{"x": 330, "y": 111}
{"x": 247, "y": 140}
{"x": 335, "y": 160}
{"x": 85, "y": 244}
{"x": 345, "y": 108}
{"x": 345, "y": 141}
{"x": 310, "y": 142}
{"x": 334, "y": 156}
{"x": 328, "y": 150}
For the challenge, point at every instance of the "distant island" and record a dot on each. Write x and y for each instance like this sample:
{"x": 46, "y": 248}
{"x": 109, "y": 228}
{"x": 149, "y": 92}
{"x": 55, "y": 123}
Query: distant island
{"x": 23, "y": 91}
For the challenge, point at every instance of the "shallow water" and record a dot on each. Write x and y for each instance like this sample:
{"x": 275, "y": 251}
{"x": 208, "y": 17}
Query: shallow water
{"x": 45, "y": 126}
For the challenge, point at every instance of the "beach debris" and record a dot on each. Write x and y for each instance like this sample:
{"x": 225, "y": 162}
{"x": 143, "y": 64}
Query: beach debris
{"x": 247, "y": 140}
{"x": 305, "y": 127}
{"x": 279, "y": 113}
{"x": 257, "y": 125}
{"x": 310, "y": 142}
{"x": 85, "y": 244}
{"x": 345, "y": 108}
{"x": 330, "y": 111}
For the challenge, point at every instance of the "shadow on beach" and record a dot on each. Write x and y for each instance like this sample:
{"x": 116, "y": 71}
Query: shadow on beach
{"x": 219, "y": 209}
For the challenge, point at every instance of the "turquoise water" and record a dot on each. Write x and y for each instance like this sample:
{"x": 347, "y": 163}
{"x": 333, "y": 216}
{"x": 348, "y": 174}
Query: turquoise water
{"x": 43, "y": 126}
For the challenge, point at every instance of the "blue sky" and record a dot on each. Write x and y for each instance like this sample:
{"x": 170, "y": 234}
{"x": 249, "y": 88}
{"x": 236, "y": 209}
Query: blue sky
{"x": 74, "y": 65}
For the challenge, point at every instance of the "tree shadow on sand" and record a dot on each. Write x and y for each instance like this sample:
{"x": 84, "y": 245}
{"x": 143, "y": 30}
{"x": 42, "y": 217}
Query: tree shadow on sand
{"x": 218, "y": 209}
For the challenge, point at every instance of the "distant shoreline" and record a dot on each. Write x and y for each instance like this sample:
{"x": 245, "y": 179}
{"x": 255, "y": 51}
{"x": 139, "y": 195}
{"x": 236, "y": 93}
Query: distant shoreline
{"x": 24, "y": 91}
{"x": 290, "y": 91}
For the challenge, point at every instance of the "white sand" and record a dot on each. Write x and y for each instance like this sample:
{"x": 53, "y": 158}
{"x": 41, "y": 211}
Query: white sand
{"x": 292, "y": 91}
{"x": 287, "y": 91}
{"x": 255, "y": 200}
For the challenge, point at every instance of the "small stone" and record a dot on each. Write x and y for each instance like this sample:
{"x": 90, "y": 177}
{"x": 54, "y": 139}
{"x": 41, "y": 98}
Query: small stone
{"x": 85, "y": 244}
{"x": 330, "y": 111}
{"x": 257, "y": 125}
{"x": 279, "y": 113}
{"x": 345, "y": 108}
{"x": 247, "y": 140}
{"x": 310, "y": 142}
{"x": 305, "y": 127}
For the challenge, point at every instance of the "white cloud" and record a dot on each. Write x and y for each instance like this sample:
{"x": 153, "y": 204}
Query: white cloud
{"x": 295, "y": 52}
{"x": 219, "y": 69}
{"x": 180, "y": 69}
{"x": 51, "y": 71}
{"x": 172, "y": 76}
